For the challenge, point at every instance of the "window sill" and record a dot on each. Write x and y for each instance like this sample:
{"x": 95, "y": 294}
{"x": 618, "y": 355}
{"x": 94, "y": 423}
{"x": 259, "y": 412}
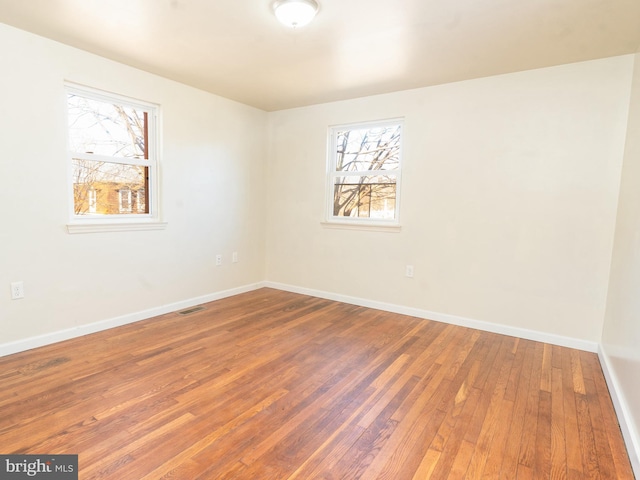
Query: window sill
{"x": 115, "y": 227}
{"x": 373, "y": 227}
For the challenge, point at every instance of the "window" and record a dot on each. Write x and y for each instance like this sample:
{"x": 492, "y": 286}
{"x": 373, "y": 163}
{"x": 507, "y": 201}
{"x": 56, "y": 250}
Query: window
{"x": 141, "y": 202}
{"x": 93, "y": 200}
{"x": 364, "y": 173}
{"x": 113, "y": 157}
{"x": 124, "y": 198}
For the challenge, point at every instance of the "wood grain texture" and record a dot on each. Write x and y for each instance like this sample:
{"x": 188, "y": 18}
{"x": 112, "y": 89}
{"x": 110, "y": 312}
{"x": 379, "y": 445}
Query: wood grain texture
{"x": 275, "y": 385}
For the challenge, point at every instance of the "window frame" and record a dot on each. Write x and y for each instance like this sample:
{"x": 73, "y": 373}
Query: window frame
{"x": 361, "y": 223}
{"x": 91, "y": 222}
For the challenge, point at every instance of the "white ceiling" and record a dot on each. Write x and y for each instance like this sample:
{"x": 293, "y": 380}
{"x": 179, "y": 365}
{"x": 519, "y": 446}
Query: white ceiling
{"x": 353, "y": 48}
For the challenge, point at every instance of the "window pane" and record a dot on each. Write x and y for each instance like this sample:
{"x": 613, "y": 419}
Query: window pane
{"x": 104, "y": 188}
{"x": 365, "y": 197}
{"x": 105, "y": 128}
{"x": 366, "y": 149}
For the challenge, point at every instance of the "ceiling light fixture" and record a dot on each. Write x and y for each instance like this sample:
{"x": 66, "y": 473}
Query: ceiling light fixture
{"x": 295, "y": 13}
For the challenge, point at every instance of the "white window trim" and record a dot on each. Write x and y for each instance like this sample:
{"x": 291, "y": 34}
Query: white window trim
{"x": 370, "y": 227}
{"x": 115, "y": 227}
{"x": 360, "y": 223}
{"x": 135, "y": 222}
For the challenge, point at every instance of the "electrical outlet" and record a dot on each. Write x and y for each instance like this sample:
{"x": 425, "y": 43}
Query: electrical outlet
{"x": 17, "y": 290}
{"x": 218, "y": 260}
{"x": 234, "y": 257}
{"x": 409, "y": 271}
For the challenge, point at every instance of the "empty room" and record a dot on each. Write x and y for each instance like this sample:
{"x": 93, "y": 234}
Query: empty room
{"x": 303, "y": 239}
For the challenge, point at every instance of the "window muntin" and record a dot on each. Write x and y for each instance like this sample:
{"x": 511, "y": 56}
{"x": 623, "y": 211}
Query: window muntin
{"x": 364, "y": 172}
{"x": 112, "y": 152}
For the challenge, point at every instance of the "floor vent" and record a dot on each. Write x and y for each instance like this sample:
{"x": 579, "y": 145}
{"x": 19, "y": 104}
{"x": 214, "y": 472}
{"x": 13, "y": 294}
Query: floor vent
{"x": 189, "y": 311}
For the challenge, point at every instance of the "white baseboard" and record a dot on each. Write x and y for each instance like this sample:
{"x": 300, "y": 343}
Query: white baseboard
{"x": 61, "y": 335}
{"x": 623, "y": 411}
{"x": 54, "y": 337}
{"x": 445, "y": 318}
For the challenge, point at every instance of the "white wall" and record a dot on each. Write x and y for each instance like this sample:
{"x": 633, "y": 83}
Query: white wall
{"x": 508, "y": 200}
{"x": 621, "y": 333}
{"x": 212, "y": 196}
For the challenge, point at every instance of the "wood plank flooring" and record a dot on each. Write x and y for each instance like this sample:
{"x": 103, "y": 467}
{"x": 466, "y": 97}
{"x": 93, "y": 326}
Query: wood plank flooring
{"x": 274, "y": 385}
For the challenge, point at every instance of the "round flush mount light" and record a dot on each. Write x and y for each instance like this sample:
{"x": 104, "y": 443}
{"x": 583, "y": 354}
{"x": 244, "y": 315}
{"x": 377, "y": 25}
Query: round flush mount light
{"x": 295, "y": 13}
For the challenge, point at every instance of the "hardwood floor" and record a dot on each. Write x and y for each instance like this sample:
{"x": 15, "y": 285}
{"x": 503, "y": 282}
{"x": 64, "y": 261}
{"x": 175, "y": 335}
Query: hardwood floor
{"x": 274, "y": 385}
